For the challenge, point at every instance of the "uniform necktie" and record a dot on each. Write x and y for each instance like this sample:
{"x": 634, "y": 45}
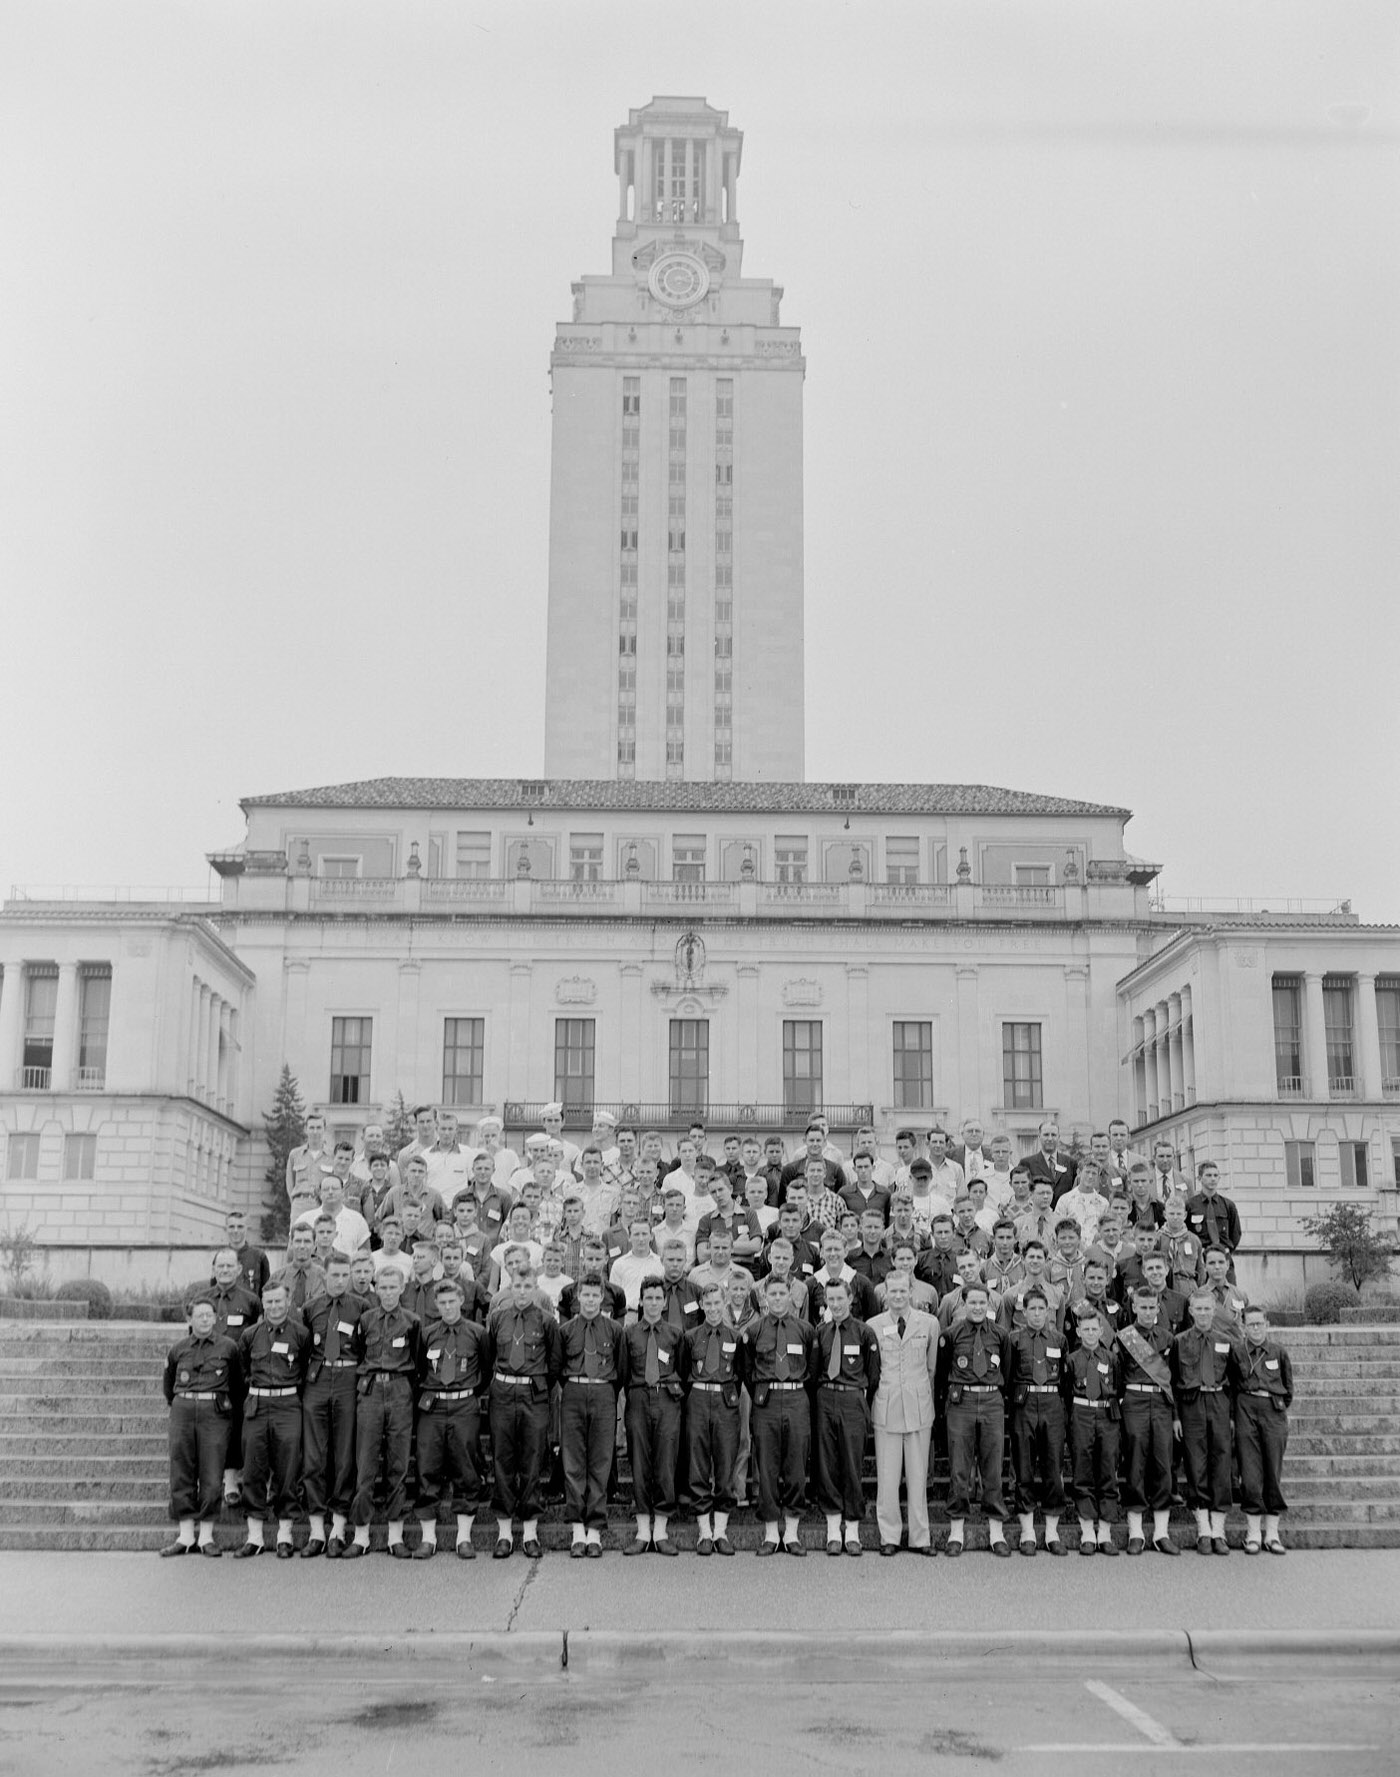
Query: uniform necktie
{"x": 673, "y": 1308}
{"x": 979, "y": 1357}
{"x": 1039, "y": 1370}
{"x": 712, "y": 1354}
{"x": 780, "y": 1363}
{"x": 517, "y": 1343}
{"x": 1211, "y": 1227}
{"x": 1091, "y": 1378}
{"x": 449, "y": 1365}
{"x": 899, "y": 1323}
{"x": 833, "y": 1363}
{"x": 590, "y": 1350}
{"x": 1207, "y": 1362}
{"x": 652, "y": 1373}
{"x": 333, "y": 1333}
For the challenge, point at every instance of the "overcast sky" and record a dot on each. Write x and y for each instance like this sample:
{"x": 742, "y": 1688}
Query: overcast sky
{"x": 1099, "y": 304}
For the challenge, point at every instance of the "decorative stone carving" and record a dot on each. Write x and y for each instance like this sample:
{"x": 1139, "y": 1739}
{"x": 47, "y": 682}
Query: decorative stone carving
{"x": 690, "y": 961}
{"x": 579, "y": 342}
{"x": 802, "y": 992}
{"x": 576, "y": 990}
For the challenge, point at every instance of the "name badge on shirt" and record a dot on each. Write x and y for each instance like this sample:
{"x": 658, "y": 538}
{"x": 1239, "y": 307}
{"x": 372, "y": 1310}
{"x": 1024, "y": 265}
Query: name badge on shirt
{"x": 281, "y": 1347}
{"x": 794, "y": 1351}
{"x": 851, "y": 1350}
{"x": 344, "y": 1326}
{"x": 397, "y": 1343}
{"x": 662, "y": 1357}
{"x": 1220, "y": 1347}
{"x": 1270, "y": 1363}
{"x": 692, "y": 1308}
{"x": 993, "y": 1357}
{"x": 1103, "y": 1369}
{"x": 435, "y": 1354}
{"x": 727, "y": 1345}
{"x": 235, "y": 1320}
{"x": 1052, "y": 1351}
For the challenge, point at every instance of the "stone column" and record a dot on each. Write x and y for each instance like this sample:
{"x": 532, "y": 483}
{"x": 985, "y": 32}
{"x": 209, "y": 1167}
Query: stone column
{"x": 211, "y": 1065}
{"x": 65, "y": 1029}
{"x": 1188, "y": 1046}
{"x": 1174, "y": 1064}
{"x": 1163, "y": 1060}
{"x": 1370, "y": 1082}
{"x": 11, "y": 1025}
{"x": 1314, "y": 1038}
{"x": 201, "y": 1052}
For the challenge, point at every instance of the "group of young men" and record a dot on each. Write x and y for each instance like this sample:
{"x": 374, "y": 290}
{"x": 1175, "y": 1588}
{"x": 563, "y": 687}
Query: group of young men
{"x": 743, "y": 1324}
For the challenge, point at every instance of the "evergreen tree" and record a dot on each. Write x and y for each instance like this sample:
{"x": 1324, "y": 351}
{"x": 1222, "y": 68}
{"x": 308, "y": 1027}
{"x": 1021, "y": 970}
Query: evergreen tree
{"x": 285, "y": 1126}
{"x": 398, "y": 1125}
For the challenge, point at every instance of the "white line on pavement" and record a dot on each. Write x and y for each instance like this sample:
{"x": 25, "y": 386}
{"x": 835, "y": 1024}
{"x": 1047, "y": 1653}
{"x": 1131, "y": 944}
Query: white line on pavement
{"x": 1135, "y": 1717}
{"x": 1119, "y": 1746}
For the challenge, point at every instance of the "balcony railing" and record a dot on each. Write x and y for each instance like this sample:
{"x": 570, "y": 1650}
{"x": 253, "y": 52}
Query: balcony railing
{"x": 1341, "y": 1085}
{"x": 466, "y": 888}
{"x": 722, "y": 1119}
{"x": 689, "y": 894}
{"x": 802, "y": 894}
{"x": 1021, "y": 894}
{"x": 35, "y": 1079}
{"x": 91, "y": 1079}
{"x": 1290, "y": 1085}
{"x": 911, "y": 897}
{"x": 355, "y": 888}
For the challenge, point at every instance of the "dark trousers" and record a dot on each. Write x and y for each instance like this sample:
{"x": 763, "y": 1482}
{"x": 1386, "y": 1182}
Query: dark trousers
{"x": 1205, "y": 1436}
{"x": 1261, "y": 1436}
{"x": 781, "y": 1431}
{"x": 976, "y": 1433}
{"x": 449, "y": 1458}
{"x": 587, "y": 1443}
{"x": 519, "y": 1448}
{"x": 1147, "y": 1452}
{"x": 1038, "y": 1448}
{"x": 653, "y": 1441}
{"x": 328, "y": 1442}
{"x": 271, "y": 1456}
{"x": 383, "y": 1434}
{"x": 1093, "y": 1443}
{"x": 198, "y": 1447}
{"x": 838, "y": 1440}
{"x": 233, "y": 1457}
{"x": 712, "y": 1445}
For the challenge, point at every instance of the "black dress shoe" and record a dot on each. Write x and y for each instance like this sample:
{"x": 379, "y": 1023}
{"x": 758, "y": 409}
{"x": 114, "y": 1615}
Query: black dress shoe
{"x": 212, "y": 1550}
{"x": 1203, "y": 1545}
{"x": 247, "y": 1552}
{"x": 889, "y": 1548}
{"x": 854, "y": 1549}
{"x": 795, "y": 1547}
{"x": 664, "y": 1546}
{"x": 1056, "y": 1548}
{"x": 353, "y": 1551}
{"x": 425, "y": 1552}
{"x": 1112, "y": 1549}
{"x": 1136, "y": 1545}
{"x": 1002, "y": 1549}
{"x": 1165, "y": 1546}
{"x": 285, "y": 1551}
{"x": 466, "y": 1551}
{"x": 594, "y": 1551}
{"x": 834, "y": 1546}
{"x": 532, "y": 1550}
{"x": 399, "y": 1551}
{"x": 1219, "y": 1544}
{"x": 1089, "y": 1548}
{"x": 335, "y": 1548}
{"x": 176, "y": 1548}
{"x": 502, "y": 1550}
{"x": 638, "y": 1546}
{"x": 766, "y": 1548}
{"x": 723, "y": 1546}
{"x": 953, "y": 1548}
{"x": 313, "y": 1548}
{"x": 1027, "y": 1545}
{"x": 705, "y": 1546}
{"x": 577, "y": 1551}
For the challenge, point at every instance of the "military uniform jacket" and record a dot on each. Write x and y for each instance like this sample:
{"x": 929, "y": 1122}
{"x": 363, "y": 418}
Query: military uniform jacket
{"x": 1263, "y": 1369}
{"x": 275, "y": 1357}
{"x": 592, "y": 1348}
{"x": 388, "y": 1343}
{"x": 345, "y": 1310}
{"x": 957, "y": 1358}
{"x": 1037, "y": 1361}
{"x": 454, "y": 1359}
{"x": 860, "y": 1356}
{"x": 904, "y": 1398}
{"x": 525, "y": 1342}
{"x": 204, "y": 1366}
{"x": 1128, "y": 1369}
{"x": 672, "y": 1356}
{"x": 717, "y": 1354}
{"x": 235, "y": 1308}
{"x": 1092, "y": 1375}
{"x": 1199, "y": 1360}
{"x": 773, "y": 1345}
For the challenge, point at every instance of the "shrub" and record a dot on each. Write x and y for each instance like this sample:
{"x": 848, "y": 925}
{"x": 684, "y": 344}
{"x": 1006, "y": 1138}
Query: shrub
{"x": 90, "y": 1290}
{"x": 1345, "y": 1234}
{"x": 1324, "y": 1302}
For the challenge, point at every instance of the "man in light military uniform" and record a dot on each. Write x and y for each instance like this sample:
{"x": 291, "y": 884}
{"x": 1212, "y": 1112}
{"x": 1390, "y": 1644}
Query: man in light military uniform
{"x": 552, "y": 1121}
{"x": 902, "y": 1414}
{"x": 490, "y": 1139}
{"x": 306, "y": 1166}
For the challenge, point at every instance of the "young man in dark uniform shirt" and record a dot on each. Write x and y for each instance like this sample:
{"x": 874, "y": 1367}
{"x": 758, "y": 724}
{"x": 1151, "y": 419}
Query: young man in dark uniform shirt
{"x": 254, "y": 1266}
{"x": 449, "y": 1422}
{"x": 235, "y": 1309}
{"x": 388, "y": 1346}
{"x": 652, "y": 1368}
{"x": 716, "y": 1367}
{"x": 972, "y": 1366}
{"x": 1261, "y": 1373}
{"x": 1144, "y": 1384}
{"x": 778, "y": 1350}
{"x": 1037, "y": 1423}
{"x": 1200, "y": 1357}
{"x": 328, "y": 1411}
{"x": 273, "y": 1353}
{"x": 1094, "y": 1298}
{"x": 525, "y": 1359}
{"x": 203, "y": 1377}
{"x": 590, "y": 1342}
{"x": 1089, "y": 1380}
{"x": 846, "y": 1374}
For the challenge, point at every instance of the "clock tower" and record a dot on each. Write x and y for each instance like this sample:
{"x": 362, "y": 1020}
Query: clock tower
{"x": 675, "y": 535}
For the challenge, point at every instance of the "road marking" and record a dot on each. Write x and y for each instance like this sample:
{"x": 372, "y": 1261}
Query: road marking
{"x": 1135, "y": 1717}
{"x": 1081, "y": 1746}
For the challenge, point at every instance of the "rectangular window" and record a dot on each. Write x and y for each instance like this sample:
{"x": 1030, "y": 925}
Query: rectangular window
{"x": 463, "y": 1047}
{"x": 690, "y": 1064}
{"x": 1388, "y": 1021}
{"x": 631, "y": 396}
{"x": 350, "y": 1047}
{"x": 688, "y": 857}
{"x": 1356, "y": 1172}
{"x": 1288, "y": 1035}
{"x": 585, "y": 856}
{"x": 902, "y": 860}
{"x": 79, "y": 1156}
{"x": 1021, "y": 1067}
{"x": 474, "y": 855}
{"x": 40, "y": 1007}
{"x": 802, "y": 1064}
{"x": 340, "y": 866}
{"x": 1299, "y": 1159}
{"x": 573, "y": 1061}
{"x": 790, "y": 859}
{"x": 94, "y": 1017}
{"x": 22, "y": 1157}
{"x": 1032, "y": 875}
{"x": 913, "y": 1065}
{"x": 1336, "y": 1012}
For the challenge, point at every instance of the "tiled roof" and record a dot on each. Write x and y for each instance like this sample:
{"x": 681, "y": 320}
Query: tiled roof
{"x": 625, "y": 795}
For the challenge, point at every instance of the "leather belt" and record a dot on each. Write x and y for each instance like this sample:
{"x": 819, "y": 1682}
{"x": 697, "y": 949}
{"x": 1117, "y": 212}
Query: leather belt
{"x": 591, "y": 1381}
{"x": 516, "y": 1381}
{"x": 1084, "y": 1401}
{"x": 1041, "y": 1388}
{"x": 1202, "y": 1389}
{"x": 271, "y": 1394}
{"x": 195, "y": 1397}
{"x": 338, "y": 1363}
{"x": 1144, "y": 1388}
{"x": 460, "y": 1394}
{"x": 787, "y": 1385}
{"x": 710, "y": 1387}
{"x": 980, "y": 1388}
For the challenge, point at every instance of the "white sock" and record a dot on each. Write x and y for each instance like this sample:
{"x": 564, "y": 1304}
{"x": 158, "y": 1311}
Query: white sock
{"x": 233, "y": 1480}
{"x": 206, "y": 1534}
{"x": 658, "y": 1526}
{"x": 994, "y": 1530}
{"x": 362, "y": 1535}
{"x": 643, "y": 1527}
{"x": 318, "y": 1527}
{"x": 1161, "y": 1525}
{"x": 1202, "y": 1523}
{"x": 429, "y": 1528}
{"x": 284, "y": 1530}
{"x": 955, "y": 1530}
{"x": 1028, "y": 1527}
{"x": 1271, "y": 1534}
{"x": 595, "y": 1536}
{"x": 464, "y": 1527}
{"x": 1217, "y": 1524}
{"x": 770, "y": 1530}
{"x": 338, "y": 1525}
{"x": 1134, "y": 1525}
{"x": 1086, "y": 1531}
{"x": 852, "y": 1534}
{"x": 580, "y": 1536}
{"x": 529, "y": 1530}
{"x": 833, "y": 1527}
{"x": 789, "y": 1527}
{"x": 1052, "y": 1527}
{"x": 1251, "y": 1527}
{"x": 187, "y": 1532}
{"x": 1105, "y": 1531}
{"x": 721, "y": 1522}
{"x": 255, "y": 1531}
{"x": 395, "y": 1531}
{"x": 704, "y": 1529}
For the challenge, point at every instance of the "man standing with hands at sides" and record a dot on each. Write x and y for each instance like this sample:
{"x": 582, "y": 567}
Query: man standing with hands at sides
{"x": 591, "y": 1344}
{"x": 328, "y": 1410}
{"x": 1200, "y": 1357}
{"x": 653, "y": 1370}
{"x": 778, "y": 1350}
{"x": 305, "y": 1167}
{"x": 203, "y": 1378}
{"x": 1144, "y": 1381}
{"x": 715, "y": 1366}
{"x": 525, "y": 1359}
{"x": 1262, "y": 1375}
{"x": 902, "y": 1413}
{"x": 846, "y": 1372}
{"x": 388, "y": 1347}
{"x": 1089, "y": 1383}
{"x": 1038, "y": 1422}
{"x": 972, "y": 1366}
{"x": 449, "y": 1421}
{"x": 273, "y": 1354}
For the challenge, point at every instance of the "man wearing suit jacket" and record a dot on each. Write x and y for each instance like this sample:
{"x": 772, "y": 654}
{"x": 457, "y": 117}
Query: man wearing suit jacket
{"x": 902, "y": 1414}
{"x": 973, "y": 1153}
{"x": 1049, "y": 1163}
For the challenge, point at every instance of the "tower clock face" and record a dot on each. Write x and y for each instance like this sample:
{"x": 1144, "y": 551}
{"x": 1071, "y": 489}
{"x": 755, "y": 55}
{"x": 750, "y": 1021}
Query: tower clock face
{"x": 678, "y": 280}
